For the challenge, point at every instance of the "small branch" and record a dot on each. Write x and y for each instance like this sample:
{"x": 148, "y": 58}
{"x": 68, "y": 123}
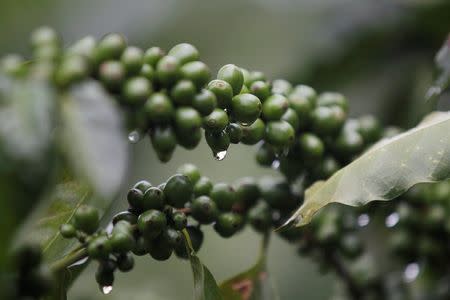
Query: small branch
{"x": 68, "y": 260}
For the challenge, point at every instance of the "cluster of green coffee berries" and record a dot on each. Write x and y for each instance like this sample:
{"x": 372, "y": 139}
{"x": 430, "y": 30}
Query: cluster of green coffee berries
{"x": 171, "y": 96}
{"x": 32, "y": 279}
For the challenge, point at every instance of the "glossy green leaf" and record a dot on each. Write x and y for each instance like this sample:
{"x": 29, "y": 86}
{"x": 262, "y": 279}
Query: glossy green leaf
{"x": 387, "y": 170}
{"x": 253, "y": 284}
{"x": 94, "y": 137}
{"x": 205, "y": 286}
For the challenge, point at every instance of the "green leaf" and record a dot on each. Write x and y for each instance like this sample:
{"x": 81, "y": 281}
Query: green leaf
{"x": 94, "y": 137}
{"x": 253, "y": 284}
{"x": 385, "y": 171}
{"x": 205, "y": 286}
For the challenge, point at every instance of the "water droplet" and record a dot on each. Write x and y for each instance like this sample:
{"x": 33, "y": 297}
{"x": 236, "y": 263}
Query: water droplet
{"x": 245, "y": 124}
{"x": 220, "y": 155}
{"x": 275, "y": 164}
{"x": 79, "y": 262}
{"x": 106, "y": 289}
{"x": 392, "y": 220}
{"x": 134, "y": 136}
{"x": 363, "y": 220}
{"x": 411, "y": 272}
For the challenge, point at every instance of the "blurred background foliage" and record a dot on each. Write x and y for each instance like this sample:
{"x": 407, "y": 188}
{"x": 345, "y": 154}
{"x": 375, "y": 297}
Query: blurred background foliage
{"x": 378, "y": 53}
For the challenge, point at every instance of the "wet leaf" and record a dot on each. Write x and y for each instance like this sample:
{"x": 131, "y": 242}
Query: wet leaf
{"x": 94, "y": 137}
{"x": 385, "y": 171}
{"x": 205, "y": 286}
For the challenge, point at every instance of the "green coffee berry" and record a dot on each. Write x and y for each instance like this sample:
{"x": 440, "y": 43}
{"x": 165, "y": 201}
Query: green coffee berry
{"x": 112, "y": 74}
{"x": 104, "y": 278}
{"x": 216, "y": 121}
{"x": 47, "y": 53}
{"x": 151, "y": 223}
{"x": 153, "y": 55}
{"x": 136, "y": 90}
{"x": 183, "y": 92}
{"x": 246, "y": 75}
{"x": 86, "y": 219}
{"x": 311, "y": 146}
{"x": 223, "y": 92}
{"x": 204, "y": 102}
{"x": 292, "y": 118}
{"x": 244, "y": 90}
{"x": 184, "y": 52}
{"x": 13, "y": 64}
{"x": 159, "y": 109}
{"x": 265, "y": 155}
{"x": 72, "y": 69}
{"x": 99, "y": 247}
{"x": 247, "y": 191}
{"x": 369, "y": 128}
{"x": 167, "y": 70}
{"x": 125, "y": 262}
{"x": 179, "y": 220}
{"x": 277, "y": 193}
{"x": 187, "y": 119}
{"x": 327, "y": 167}
{"x": 260, "y": 217}
{"x": 85, "y": 47}
{"x": 178, "y": 190}
{"x": 228, "y": 224}
{"x": 254, "y": 133}
{"x": 135, "y": 197}
{"x": 147, "y": 71}
{"x": 282, "y": 87}
{"x": 260, "y": 89}
{"x": 142, "y": 185}
{"x": 279, "y": 133}
{"x": 109, "y": 47}
{"x": 68, "y": 231}
{"x": 122, "y": 239}
{"x": 233, "y": 75}
{"x": 234, "y": 132}
{"x": 203, "y": 186}
{"x": 255, "y": 76}
{"x": 107, "y": 265}
{"x": 125, "y": 216}
{"x": 189, "y": 140}
{"x": 174, "y": 237}
{"x": 191, "y": 171}
{"x": 153, "y": 199}
{"x": 204, "y": 210}
{"x": 332, "y": 99}
{"x": 132, "y": 58}
{"x": 164, "y": 141}
{"x": 197, "y": 72}
{"x": 142, "y": 246}
{"x": 327, "y": 120}
{"x": 274, "y": 107}
{"x": 223, "y": 195}
{"x": 161, "y": 249}
{"x": 302, "y": 106}
{"x": 44, "y": 36}
{"x": 348, "y": 143}
{"x": 246, "y": 108}
{"x": 218, "y": 142}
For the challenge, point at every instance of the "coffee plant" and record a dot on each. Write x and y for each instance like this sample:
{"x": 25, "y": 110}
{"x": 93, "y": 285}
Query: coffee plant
{"x": 64, "y": 115}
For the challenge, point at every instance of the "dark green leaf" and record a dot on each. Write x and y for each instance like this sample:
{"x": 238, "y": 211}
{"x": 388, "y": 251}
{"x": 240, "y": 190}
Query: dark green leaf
{"x": 387, "y": 170}
{"x": 94, "y": 137}
{"x": 205, "y": 286}
{"x": 253, "y": 284}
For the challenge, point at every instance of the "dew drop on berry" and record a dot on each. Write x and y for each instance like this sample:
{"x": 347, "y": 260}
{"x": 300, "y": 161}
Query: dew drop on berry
{"x": 134, "y": 136}
{"x": 220, "y": 155}
{"x": 107, "y": 289}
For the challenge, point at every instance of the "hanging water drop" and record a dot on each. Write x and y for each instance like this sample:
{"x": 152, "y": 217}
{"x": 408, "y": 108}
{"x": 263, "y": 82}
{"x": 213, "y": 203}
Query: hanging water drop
{"x": 134, "y": 136}
{"x": 411, "y": 272}
{"x": 275, "y": 164}
{"x": 107, "y": 289}
{"x": 220, "y": 155}
{"x": 392, "y": 220}
{"x": 363, "y": 220}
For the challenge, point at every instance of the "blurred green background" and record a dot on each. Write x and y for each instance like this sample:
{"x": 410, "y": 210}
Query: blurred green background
{"x": 378, "y": 53}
